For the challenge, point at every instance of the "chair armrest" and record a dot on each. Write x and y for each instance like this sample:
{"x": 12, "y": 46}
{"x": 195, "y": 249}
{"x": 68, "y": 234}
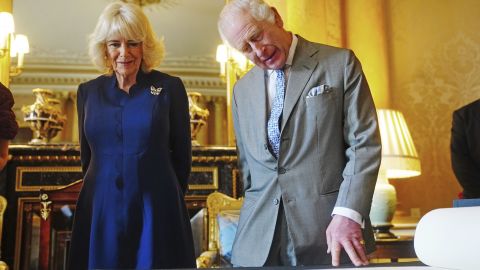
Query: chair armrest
{"x": 207, "y": 259}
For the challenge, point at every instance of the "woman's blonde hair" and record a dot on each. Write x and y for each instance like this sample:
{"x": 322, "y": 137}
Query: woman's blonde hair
{"x": 127, "y": 21}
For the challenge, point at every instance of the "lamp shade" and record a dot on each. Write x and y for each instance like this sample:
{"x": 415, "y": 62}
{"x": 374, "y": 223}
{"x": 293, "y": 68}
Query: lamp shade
{"x": 399, "y": 156}
{"x": 6, "y": 23}
{"x": 20, "y": 45}
{"x": 222, "y": 56}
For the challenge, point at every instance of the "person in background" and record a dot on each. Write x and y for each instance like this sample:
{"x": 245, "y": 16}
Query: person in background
{"x": 308, "y": 145}
{"x": 465, "y": 148}
{"x": 135, "y": 151}
{"x": 8, "y": 125}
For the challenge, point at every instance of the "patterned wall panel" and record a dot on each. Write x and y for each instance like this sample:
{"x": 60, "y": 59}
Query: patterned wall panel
{"x": 435, "y": 65}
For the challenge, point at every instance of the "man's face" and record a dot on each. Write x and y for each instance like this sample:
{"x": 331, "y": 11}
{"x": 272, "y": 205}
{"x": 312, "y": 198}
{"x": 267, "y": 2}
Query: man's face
{"x": 265, "y": 44}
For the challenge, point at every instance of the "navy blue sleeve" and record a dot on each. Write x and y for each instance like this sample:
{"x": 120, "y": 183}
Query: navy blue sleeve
{"x": 180, "y": 140}
{"x": 85, "y": 152}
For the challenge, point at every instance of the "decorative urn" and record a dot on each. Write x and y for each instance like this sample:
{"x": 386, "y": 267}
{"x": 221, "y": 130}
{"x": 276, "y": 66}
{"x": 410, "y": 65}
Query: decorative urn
{"x": 44, "y": 116}
{"x": 198, "y": 116}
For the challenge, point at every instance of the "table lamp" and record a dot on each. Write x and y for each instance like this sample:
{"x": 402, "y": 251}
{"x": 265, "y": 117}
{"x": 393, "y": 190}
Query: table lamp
{"x": 399, "y": 160}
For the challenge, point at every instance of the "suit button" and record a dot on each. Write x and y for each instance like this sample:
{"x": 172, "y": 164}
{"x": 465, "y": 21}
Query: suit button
{"x": 282, "y": 170}
{"x": 265, "y": 146}
{"x": 276, "y": 201}
{"x": 119, "y": 183}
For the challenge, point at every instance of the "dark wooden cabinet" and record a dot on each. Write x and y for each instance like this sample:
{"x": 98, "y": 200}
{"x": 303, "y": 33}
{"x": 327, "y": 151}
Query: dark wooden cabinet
{"x": 26, "y": 234}
{"x": 394, "y": 250}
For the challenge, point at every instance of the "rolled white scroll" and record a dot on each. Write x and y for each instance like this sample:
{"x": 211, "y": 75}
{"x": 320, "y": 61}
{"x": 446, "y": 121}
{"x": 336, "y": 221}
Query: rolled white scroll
{"x": 449, "y": 238}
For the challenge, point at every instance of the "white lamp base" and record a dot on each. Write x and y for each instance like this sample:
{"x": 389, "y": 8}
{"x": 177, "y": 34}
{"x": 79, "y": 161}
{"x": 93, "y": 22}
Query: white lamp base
{"x": 383, "y": 207}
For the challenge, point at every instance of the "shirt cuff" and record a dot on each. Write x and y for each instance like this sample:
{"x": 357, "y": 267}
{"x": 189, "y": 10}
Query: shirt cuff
{"x": 349, "y": 213}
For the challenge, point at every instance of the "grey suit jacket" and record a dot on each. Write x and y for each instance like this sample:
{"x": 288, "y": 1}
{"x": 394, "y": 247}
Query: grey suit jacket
{"x": 329, "y": 154}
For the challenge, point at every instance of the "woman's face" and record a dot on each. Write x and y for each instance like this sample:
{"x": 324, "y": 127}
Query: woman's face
{"x": 125, "y": 56}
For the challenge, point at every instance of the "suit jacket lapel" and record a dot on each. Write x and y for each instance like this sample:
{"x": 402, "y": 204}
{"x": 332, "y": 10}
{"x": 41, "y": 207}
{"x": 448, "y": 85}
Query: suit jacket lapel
{"x": 300, "y": 71}
{"x": 257, "y": 93}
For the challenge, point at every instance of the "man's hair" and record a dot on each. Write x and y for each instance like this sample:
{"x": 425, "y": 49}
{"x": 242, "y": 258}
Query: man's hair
{"x": 258, "y": 9}
{"x": 127, "y": 21}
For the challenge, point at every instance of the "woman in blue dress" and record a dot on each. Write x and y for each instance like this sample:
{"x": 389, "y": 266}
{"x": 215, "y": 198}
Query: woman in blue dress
{"x": 135, "y": 150}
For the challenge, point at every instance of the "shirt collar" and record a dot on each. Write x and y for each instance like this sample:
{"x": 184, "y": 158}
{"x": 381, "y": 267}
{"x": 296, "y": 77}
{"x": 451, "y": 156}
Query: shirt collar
{"x": 291, "y": 53}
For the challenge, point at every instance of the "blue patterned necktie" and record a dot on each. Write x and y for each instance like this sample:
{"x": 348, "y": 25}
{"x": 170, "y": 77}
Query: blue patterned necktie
{"x": 273, "y": 124}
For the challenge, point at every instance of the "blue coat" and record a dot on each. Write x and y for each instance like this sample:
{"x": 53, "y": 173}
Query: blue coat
{"x": 136, "y": 160}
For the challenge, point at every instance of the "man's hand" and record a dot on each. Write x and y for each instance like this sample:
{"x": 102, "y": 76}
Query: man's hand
{"x": 347, "y": 234}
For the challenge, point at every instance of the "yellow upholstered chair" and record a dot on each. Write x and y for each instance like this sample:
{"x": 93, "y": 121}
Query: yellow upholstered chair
{"x": 3, "y": 206}
{"x": 217, "y": 204}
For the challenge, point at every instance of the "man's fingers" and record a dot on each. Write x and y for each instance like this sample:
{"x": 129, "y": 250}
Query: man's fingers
{"x": 360, "y": 249}
{"x": 329, "y": 240}
{"x": 352, "y": 253}
{"x": 335, "y": 249}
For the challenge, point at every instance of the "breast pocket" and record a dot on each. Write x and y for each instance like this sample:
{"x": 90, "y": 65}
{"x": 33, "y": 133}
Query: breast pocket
{"x": 322, "y": 102}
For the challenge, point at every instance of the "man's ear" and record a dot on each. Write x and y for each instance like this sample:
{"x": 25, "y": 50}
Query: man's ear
{"x": 278, "y": 18}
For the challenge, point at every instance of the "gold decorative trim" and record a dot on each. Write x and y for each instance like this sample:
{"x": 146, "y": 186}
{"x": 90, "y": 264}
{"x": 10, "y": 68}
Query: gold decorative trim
{"x": 22, "y": 169}
{"x": 45, "y": 208}
{"x": 18, "y": 230}
{"x": 214, "y": 185}
{"x": 77, "y": 158}
{"x": 214, "y": 159}
{"x": 46, "y": 158}
{"x": 235, "y": 174}
{"x": 190, "y": 198}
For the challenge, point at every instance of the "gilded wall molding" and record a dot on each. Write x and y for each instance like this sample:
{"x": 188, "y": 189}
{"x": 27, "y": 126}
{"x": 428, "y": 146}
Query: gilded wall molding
{"x": 214, "y": 159}
{"x": 64, "y": 71}
{"x": 45, "y": 158}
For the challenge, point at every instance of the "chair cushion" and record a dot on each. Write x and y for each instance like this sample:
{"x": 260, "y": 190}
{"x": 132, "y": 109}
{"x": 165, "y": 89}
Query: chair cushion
{"x": 197, "y": 230}
{"x": 227, "y": 225}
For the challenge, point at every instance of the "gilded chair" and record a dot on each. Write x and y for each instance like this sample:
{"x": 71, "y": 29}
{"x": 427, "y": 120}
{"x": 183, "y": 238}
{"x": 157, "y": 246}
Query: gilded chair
{"x": 217, "y": 204}
{"x": 3, "y": 206}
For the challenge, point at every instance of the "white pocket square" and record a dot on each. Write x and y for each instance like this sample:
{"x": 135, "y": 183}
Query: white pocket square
{"x": 318, "y": 90}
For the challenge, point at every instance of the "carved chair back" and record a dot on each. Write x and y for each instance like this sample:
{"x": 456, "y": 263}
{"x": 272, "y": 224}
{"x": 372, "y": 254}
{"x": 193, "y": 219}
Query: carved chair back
{"x": 216, "y": 203}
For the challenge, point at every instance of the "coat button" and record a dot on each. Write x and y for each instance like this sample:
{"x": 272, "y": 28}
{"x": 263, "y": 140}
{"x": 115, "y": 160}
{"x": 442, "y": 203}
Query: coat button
{"x": 282, "y": 170}
{"x": 276, "y": 201}
{"x": 119, "y": 183}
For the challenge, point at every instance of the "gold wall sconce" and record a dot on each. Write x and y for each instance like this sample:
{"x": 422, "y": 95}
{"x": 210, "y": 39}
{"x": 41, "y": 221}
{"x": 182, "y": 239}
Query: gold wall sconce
{"x": 230, "y": 58}
{"x": 12, "y": 45}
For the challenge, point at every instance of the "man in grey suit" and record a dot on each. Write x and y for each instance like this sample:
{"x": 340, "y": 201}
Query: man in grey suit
{"x": 308, "y": 145}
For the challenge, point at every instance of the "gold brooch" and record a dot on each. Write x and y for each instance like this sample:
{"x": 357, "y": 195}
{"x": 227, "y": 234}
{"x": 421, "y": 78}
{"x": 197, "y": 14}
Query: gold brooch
{"x": 155, "y": 91}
